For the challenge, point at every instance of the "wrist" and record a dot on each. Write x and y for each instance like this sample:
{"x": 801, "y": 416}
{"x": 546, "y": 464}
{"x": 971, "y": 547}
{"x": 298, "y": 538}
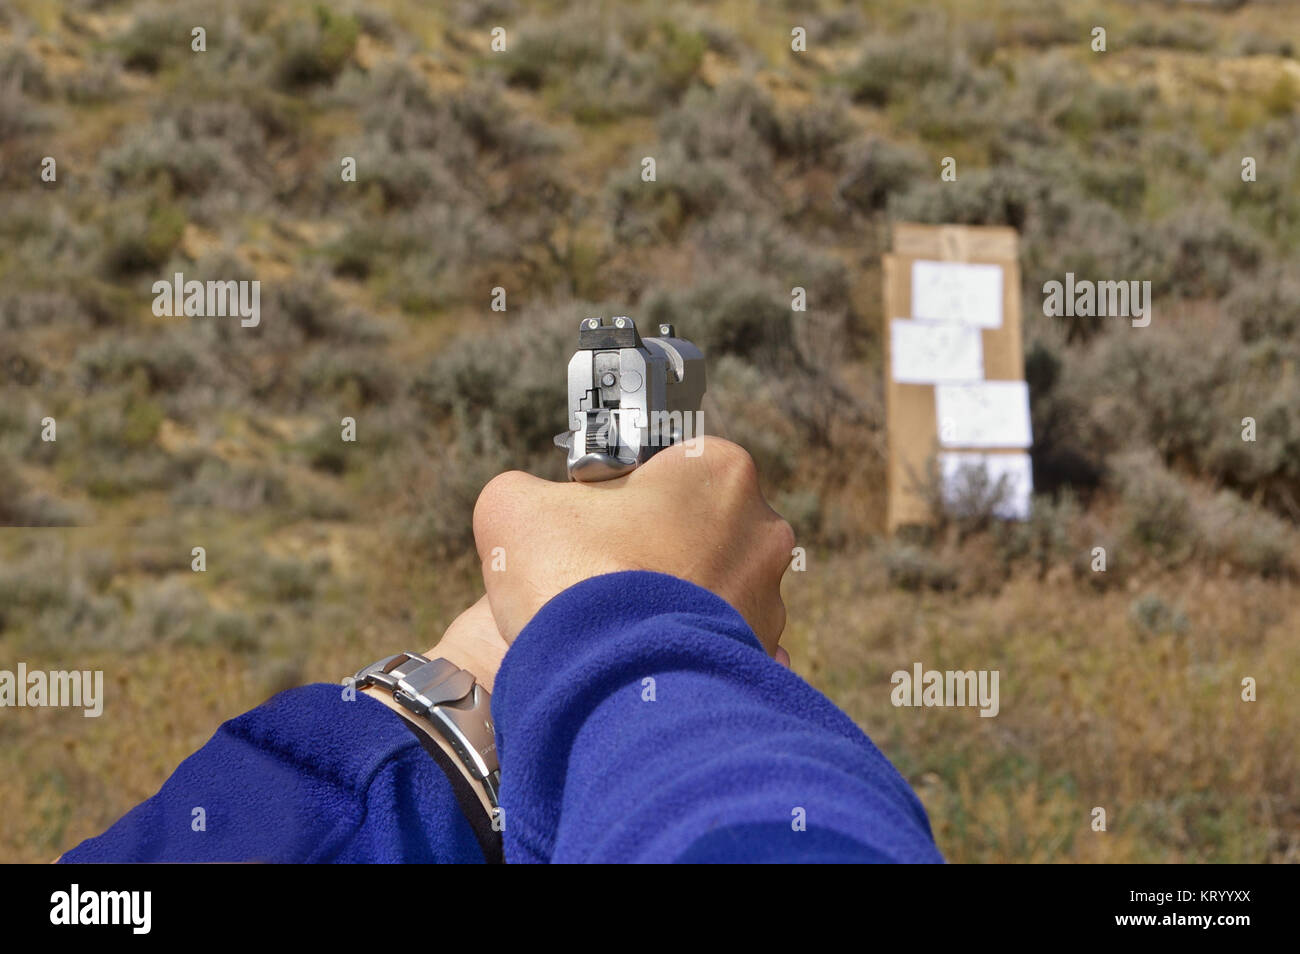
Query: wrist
{"x": 459, "y": 727}
{"x": 480, "y": 659}
{"x": 473, "y": 643}
{"x": 425, "y": 726}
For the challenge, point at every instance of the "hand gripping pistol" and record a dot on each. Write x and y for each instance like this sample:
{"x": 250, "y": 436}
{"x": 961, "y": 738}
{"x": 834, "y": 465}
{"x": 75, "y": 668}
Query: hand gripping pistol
{"x": 629, "y": 397}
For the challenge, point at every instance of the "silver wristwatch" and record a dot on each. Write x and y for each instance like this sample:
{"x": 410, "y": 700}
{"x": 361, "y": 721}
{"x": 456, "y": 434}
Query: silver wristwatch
{"x": 448, "y": 699}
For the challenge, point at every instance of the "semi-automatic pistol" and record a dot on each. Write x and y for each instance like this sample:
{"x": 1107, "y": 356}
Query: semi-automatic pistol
{"x": 629, "y": 397}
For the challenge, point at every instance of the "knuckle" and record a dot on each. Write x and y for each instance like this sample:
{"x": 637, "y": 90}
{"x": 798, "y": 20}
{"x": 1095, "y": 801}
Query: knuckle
{"x": 497, "y": 498}
{"x": 784, "y": 537}
{"x": 733, "y": 460}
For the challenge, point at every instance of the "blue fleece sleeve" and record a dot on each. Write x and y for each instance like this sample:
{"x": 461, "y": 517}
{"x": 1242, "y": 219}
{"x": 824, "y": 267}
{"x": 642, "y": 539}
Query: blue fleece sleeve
{"x": 308, "y": 776}
{"x": 639, "y": 719}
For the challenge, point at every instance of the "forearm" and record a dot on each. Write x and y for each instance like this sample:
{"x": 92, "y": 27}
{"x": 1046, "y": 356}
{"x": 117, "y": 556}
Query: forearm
{"x": 307, "y": 776}
{"x": 639, "y": 719}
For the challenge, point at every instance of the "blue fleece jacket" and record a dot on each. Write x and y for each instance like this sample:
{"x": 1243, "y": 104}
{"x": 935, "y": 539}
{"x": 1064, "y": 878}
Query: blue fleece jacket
{"x": 638, "y": 719}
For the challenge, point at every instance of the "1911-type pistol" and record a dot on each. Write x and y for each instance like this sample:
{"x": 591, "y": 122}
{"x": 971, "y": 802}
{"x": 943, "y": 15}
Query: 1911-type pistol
{"x": 629, "y": 397}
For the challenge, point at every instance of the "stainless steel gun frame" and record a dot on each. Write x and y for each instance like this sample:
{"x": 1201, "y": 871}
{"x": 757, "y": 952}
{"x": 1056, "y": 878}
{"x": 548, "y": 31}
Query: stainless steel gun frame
{"x": 629, "y": 397}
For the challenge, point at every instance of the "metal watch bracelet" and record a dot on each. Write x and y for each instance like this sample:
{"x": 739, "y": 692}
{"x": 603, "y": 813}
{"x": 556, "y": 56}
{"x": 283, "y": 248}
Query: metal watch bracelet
{"x": 448, "y": 698}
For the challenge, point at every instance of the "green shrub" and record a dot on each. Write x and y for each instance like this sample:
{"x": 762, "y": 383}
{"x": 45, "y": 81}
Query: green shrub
{"x": 1252, "y": 43}
{"x": 1206, "y": 253}
{"x": 20, "y": 115}
{"x": 1183, "y": 33}
{"x": 810, "y": 134}
{"x": 98, "y": 83}
{"x": 736, "y": 121}
{"x": 910, "y": 567}
{"x": 1043, "y": 23}
{"x": 1245, "y": 537}
{"x": 442, "y": 484}
{"x": 1266, "y": 308}
{"x": 957, "y": 111}
{"x": 166, "y": 362}
{"x": 747, "y": 403}
{"x": 234, "y": 488}
{"x": 999, "y": 196}
{"x": 23, "y": 73}
{"x": 194, "y": 148}
{"x": 326, "y": 451}
{"x": 645, "y": 213}
{"x": 315, "y": 50}
{"x": 893, "y": 66}
{"x": 232, "y": 631}
{"x": 288, "y": 580}
{"x": 486, "y": 12}
{"x": 20, "y": 506}
{"x": 307, "y": 305}
{"x": 731, "y": 317}
{"x": 141, "y": 238}
{"x": 876, "y": 169}
{"x": 1158, "y": 508}
{"x": 155, "y": 36}
{"x": 521, "y": 411}
{"x": 1044, "y": 540}
{"x": 599, "y": 73}
{"x": 356, "y": 379}
{"x": 1271, "y": 203}
{"x": 1153, "y": 616}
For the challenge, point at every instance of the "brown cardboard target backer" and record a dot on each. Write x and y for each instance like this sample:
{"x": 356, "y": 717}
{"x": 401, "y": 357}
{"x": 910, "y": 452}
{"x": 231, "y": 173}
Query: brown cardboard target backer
{"x": 913, "y": 434}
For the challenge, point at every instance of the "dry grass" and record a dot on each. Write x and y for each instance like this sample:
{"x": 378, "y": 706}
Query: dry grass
{"x": 1095, "y": 711}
